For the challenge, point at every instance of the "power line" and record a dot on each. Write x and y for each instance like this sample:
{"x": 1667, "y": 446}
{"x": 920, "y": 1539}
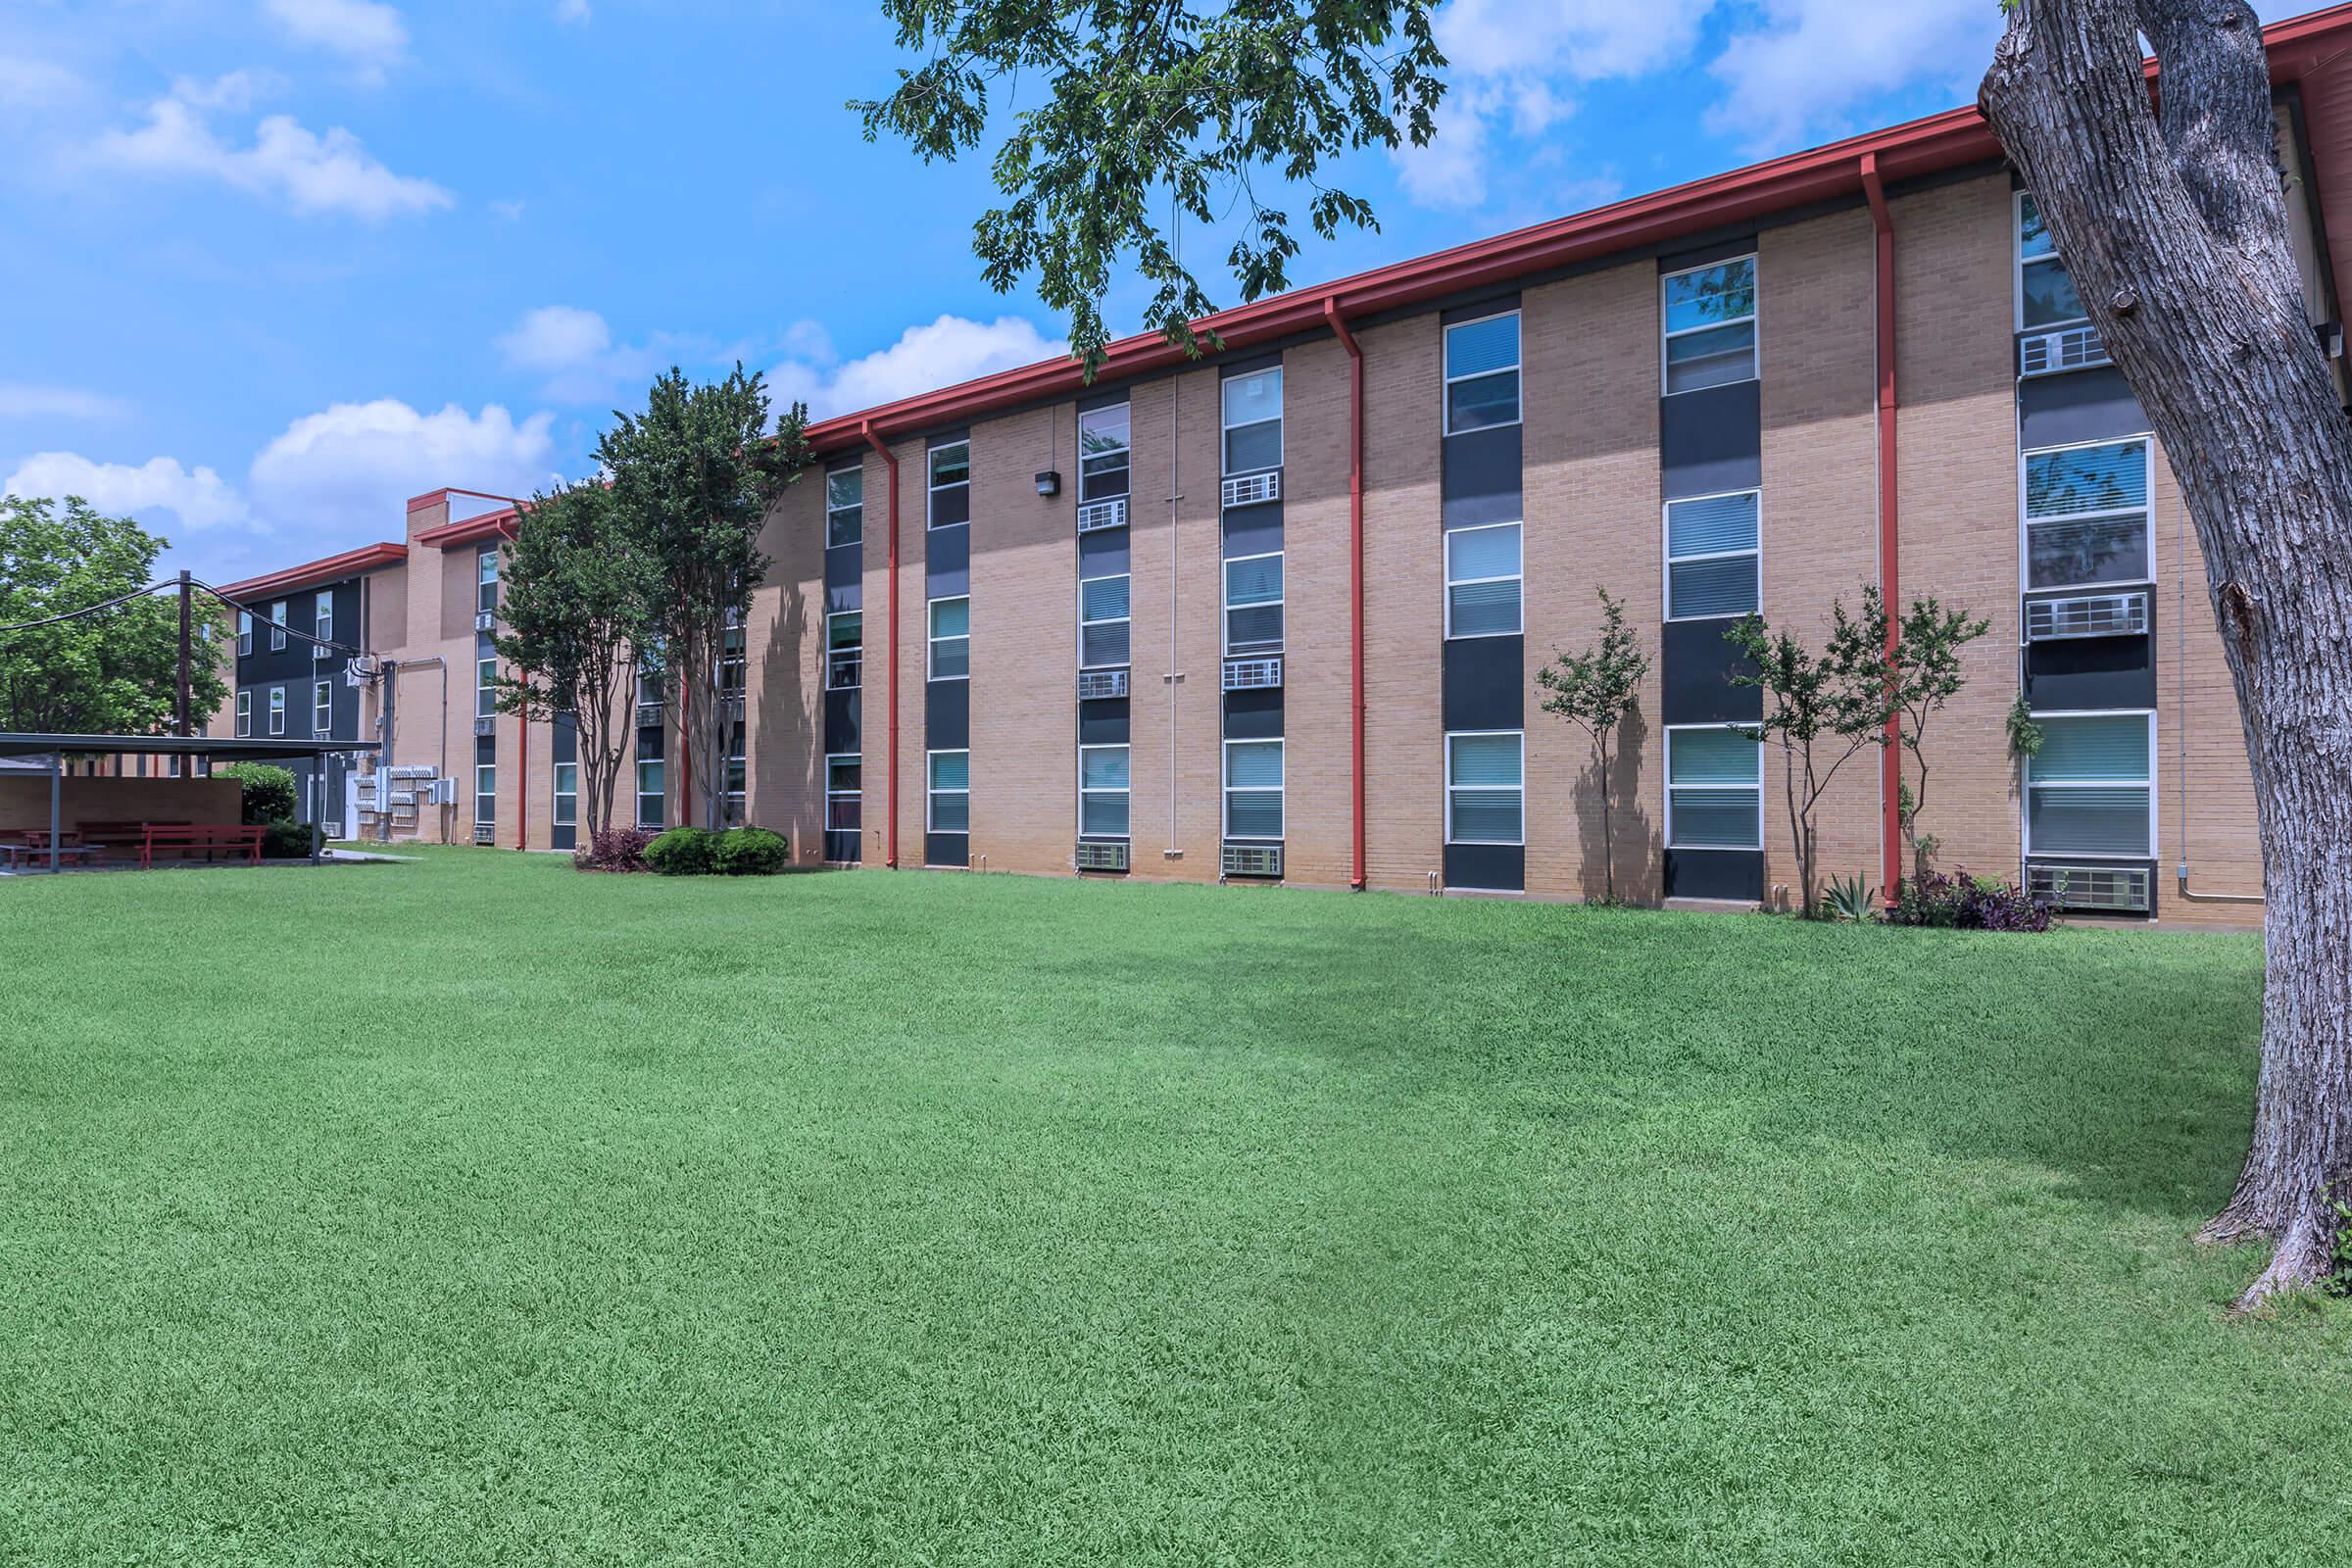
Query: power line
{"x": 88, "y": 610}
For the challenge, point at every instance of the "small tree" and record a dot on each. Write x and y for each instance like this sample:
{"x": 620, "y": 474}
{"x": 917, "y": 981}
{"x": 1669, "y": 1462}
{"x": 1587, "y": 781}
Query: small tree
{"x": 1594, "y": 691}
{"x": 1821, "y": 709}
{"x": 692, "y": 477}
{"x": 574, "y": 591}
{"x": 1925, "y": 675}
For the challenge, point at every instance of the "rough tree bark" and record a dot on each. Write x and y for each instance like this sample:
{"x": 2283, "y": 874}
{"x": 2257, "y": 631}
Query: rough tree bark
{"x": 2174, "y": 226}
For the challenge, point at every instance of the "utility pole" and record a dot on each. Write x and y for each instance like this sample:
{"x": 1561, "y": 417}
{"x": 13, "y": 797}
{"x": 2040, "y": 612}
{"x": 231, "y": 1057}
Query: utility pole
{"x": 181, "y": 713}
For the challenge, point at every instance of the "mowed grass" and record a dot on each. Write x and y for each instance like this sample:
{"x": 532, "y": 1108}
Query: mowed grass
{"x": 477, "y": 1212}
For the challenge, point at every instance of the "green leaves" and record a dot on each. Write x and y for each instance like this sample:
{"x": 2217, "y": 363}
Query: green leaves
{"x": 1596, "y": 688}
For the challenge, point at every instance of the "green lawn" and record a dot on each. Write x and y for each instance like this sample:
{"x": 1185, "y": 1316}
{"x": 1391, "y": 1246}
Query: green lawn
{"x": 477, "y": 1212}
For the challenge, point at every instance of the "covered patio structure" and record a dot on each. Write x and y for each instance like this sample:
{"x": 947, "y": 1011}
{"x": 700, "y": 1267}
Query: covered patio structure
{"x": 27, "y": 760}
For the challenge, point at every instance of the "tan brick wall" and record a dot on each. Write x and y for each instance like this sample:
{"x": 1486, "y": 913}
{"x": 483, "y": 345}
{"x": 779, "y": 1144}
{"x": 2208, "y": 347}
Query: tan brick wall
{"x": 1590, "y": 471}
{"x": 1404, "y": 625}
{"x": 783, "y": 694}
{"x": 24, "y": 800}
{"x": 1318, "y": 796}
{"x": 874, "y": 736}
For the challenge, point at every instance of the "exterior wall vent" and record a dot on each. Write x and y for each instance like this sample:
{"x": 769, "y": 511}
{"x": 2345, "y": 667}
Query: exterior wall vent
{"x": 1093, "y": 683}
{"x": 485, "y": 832}
{"x": 1112, "y": 513}
{"x": 1101, "y": 856}
{"x": 2077, "y": 348}
{"x": 486, "y": 620}
{"x": 1250, "y": 859}
{"x": 1248, "y": 489}
{"x": 649, "y": 715}
{"x": 485, "y": 726}
{"x": 2123, "y": 614}
{"x": 1252, "y": 674}
{"x": 2117, "y": 889}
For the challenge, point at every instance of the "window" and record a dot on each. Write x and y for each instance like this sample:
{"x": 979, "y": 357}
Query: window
{"x": 951, "y": 639}
{"x": 1712, "y": 565}
{"x": 1714, "y": 789}
{"x": 278, "y": 626}
{"x": 651, "y": 791}
{"x": 244, "y": 715}
{"x": 485, "y": 793}
{"x": 844, "y": 791}
{"x": 1482, "y": 373}
{"x": 1710, "y": 316}
{"x": 950, "y": 484}
{"x": 2046, "y": 291}
{"x": 1102, "y": 792}
{"x": 322, "y": 620}
{"x": 845, "y": 650}
{"x": 244, "y": 633}
{"x": 1485, "y": 787}
{"x": 2086, "y": 515}
{"x": 323, "y": 707}
{"x": 731, "y": 660}
{"x": 1102, "y": 452}
{"x": 277, "y": 709}
{"x": 1103, "y": 623}
{"x": 1253, "y": 422}
{"x": 1253, "y": 605}
{"x": 485, "y": 578}
{"x": 737, "y": 775}
{"x": 1482, "y": 582}
{"x": 485, "y": 688}
{"x": 951, "y": 794}
{"x": 2087, "y": 790}
{"x": 567, "y": 811}
{"x": 1254, "y": 789}
{"x": 845, "y": 507}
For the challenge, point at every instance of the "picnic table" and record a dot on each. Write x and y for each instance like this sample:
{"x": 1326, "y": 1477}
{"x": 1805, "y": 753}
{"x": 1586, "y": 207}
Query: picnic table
{"x": 186, "y": 837}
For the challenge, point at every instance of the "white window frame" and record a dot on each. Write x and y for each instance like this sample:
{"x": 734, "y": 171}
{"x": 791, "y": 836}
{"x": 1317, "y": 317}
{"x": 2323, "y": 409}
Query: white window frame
{"x": 734, "y": 658}
{"x": 485, "y": 774}
{"x": 1127, "y": 620}
{"x": 1128, "y": 792}
{"x": 245, "y": 715}
{"x": 2025, "y": 805}
{"x": 1445, "y": 761}
{"x": 485, "y": 688}
{"x": 931, "y": 642}
{"x": 735, "y": 773}
{"x": 1126, "y": 451}
{"x": 1667, "y": 558}
{"x": 277, "y": 709}
{"x": 1225, "y": 605}
{"x": 1446, "y": 377}
{"x": 931, "y": 793}
{"x": 2025, "y": 524}
{"x": 244, "y": 634}
{"x": 831, "y": 684}
{"x": 1756, "y": 349}
{"x": 557, "y": 814}
{"x": 1282, "y": 790}
{"x": 1671, "y": 731}
{"x": 1280, "y": 421}
{"x": 857, "y": 793}
{"x": 661, "y": 795}
{"x": 931, "y": 490}
{"x": 323, "y": 708}
{"x": 2017, "y": 271}
{"x": 485, "y": 578}
{"x": 278, "y": 626}
{"x": 323, "y": 617}
{"x": 1519, "y": 628}
{"x": 830, "y": 509}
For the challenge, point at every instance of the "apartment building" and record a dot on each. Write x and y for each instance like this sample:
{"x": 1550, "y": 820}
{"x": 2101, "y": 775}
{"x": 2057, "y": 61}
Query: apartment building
{"x": 1275, "y": 615}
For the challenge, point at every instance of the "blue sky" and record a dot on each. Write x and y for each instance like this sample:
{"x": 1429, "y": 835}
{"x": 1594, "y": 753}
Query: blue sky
{"x": 267, "y": 266}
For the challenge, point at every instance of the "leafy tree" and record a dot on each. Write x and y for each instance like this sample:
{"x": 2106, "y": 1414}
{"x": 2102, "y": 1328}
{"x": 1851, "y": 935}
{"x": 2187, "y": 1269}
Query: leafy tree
{"x": 116, "y": 672}
{"x": 1925, "y": 669}
{"x": 575, "y": 591}
{"x": 1822, "y": 710}
{"x": 1594, "y": 691}
{"x": 692, "y": 479}
{"x": 1152, "y": 107}
{"x": 2171, "y": 216}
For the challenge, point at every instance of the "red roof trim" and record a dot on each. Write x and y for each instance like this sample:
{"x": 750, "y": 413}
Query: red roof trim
{"x": 431, "y": 497}
{"x": 470, "y": 530}
{"x": 1949, "y": 141}
{"x": 350, "y": 564}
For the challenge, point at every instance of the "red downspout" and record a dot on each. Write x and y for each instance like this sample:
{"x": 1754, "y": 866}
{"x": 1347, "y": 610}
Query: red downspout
{"x": 1890, "y": 757}
{"x": 1355, "y": 569}
{"x": 867, "y": 430}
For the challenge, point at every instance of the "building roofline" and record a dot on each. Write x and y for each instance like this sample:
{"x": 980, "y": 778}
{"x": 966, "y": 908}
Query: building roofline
{"x": 471, "y": 530}
{"x": 431, "y": 497}
{"x": 1909, "y": 151}
{"x": 330, "y": 569}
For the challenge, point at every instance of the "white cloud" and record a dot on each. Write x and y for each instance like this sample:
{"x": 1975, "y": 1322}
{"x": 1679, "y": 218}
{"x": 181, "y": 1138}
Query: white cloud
{"x": 26, "y": 398}
{"x": 197, "y": 499}
{"x": 310, "y": 172}
{"x": 1782, "y": 90}
{"x": 939, "y": 353}
{"x": 573, "y": 349}
{"x": 575, "y": 10}
{"x": 343, "y": 472}
{"x": 26, "y": 83}
{"x": 372, "y": 36}
{"x": 556, "y": 337}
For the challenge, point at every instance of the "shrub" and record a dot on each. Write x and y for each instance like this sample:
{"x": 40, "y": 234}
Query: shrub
{"x": 1964, "y": 903}
{"x": 285, "y": 841}
{"x": 266, "y": 793}
{"x": 616, "y": 848}
{"x": 682, "y": 852}
{"x": 750, "y": 852}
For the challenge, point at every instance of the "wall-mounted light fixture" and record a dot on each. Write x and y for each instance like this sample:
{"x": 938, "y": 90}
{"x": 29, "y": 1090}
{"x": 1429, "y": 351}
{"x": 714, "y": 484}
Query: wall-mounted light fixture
{"x": 1049, "y": 483}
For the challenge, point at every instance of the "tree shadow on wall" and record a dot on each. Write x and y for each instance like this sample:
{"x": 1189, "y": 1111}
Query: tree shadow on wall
{"x": 1640, "y": 844}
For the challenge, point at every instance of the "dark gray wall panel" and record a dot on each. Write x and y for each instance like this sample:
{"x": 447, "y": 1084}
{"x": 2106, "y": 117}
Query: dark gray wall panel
{"x": 1694, "y": 667}
{"x": 1253, "y": 531}
{"x": 947, "y": 715}
{"x": 1715, "y": 874}
{"x": 1103, "y": 722}
{"x": 1483, "y": 686}
{"x": 845, "y": 572}
{"x": 843, "y": 848}
{"x": 947, "y": 848}
{"x": 2055, "y": 411}
{"x": 1102, "y": 553}
{"x": 1719, "y": 250}
{"x": 1711, "y": 440}
{"x": 1500, "y": 868}
{"x": 841, "y": 720}
{"x": 944, "y": 507}
{"x": 2091, "y": 672}
{"x": 1253, "y": 716}
{"x": 1481, "y": 476}
{"x": 948, "y": 562}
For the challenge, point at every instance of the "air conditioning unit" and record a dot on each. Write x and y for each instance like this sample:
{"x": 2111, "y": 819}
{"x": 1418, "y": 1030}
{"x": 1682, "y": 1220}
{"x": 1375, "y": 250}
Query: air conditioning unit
{"x": 485, "y": 726}
{"x": 1250, "y": 859}
{"x": 1253, "y": 674}
{"x": 333, "y": 830}
{"x": 1096, "y": 514}
{"x": 2075, "y": 348}
{"x": 1095, "y": 683}
{"x": 441, "y": 792}
{"x": 321, "y": 651}
{"x": 486, "y": 620}
{"x": 1250, "y": 488}
{"x": 649, "y": 715}
{"x": 485, "y": 832}
{"x": 2112, "y": 889}
{"x": 2123, "y": 614}
{"x": 1101, "y": 856}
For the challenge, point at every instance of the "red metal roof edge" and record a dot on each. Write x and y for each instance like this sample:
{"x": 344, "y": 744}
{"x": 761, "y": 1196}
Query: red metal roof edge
{"x": 470, "y": 530}
{"x": 420, "y": 503}
{"x": 1915, "y": 148}
{"x": 329, "y": 568}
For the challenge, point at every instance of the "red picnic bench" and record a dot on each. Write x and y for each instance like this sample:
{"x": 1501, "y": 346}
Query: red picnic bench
{"x": 20, "y": 846}
{"x": 186, "y": 837}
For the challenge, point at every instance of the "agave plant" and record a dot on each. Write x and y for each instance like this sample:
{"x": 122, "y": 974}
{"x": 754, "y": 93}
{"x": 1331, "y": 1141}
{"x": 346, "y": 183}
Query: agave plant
{"x": 1850, "y": 898}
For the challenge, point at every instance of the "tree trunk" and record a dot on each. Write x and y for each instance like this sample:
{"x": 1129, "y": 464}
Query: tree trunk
{"x": 2174, "y": 226}
{"x": 1609, "y": 833}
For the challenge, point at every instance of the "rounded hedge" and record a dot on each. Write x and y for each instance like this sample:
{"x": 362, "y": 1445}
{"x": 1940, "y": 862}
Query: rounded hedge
{"x": 682, "y": 852}
{"x": 750, "y": 851}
